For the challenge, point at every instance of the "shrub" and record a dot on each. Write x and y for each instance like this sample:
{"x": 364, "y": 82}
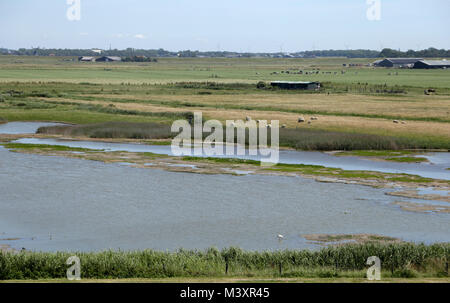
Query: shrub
{"x": 261, "y": 85}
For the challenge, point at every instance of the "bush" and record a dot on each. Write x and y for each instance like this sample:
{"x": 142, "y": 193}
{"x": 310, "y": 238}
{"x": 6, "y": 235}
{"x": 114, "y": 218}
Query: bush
{"x": 261, "y": 85}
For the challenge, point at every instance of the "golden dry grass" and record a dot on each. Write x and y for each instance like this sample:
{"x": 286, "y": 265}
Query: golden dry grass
{"x": 327, "y": 122}
{"x": 405, "y": 106}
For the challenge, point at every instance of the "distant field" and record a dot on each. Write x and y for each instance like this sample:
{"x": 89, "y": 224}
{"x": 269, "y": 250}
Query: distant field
{"x": 361, "y": 100}
{"x": 14, "y": 68}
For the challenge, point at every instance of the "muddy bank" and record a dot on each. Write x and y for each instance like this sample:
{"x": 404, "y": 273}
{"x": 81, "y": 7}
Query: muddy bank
{"x": 422, "y": 208}
{"x": 340, "y": 239}
{"x": 414, "y": 193}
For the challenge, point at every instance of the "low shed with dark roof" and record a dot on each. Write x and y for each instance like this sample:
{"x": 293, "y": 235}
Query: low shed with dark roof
{"x": 429, "y": 64}
{"x": 398, "y": 62}
{"x": 296, "y": 85}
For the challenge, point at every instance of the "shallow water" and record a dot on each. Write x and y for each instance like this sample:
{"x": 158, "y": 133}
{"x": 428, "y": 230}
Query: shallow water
{"x": 14, "y": 128}
{"x": 56, "y": 203}
{"x": 436, "y": 171}
{"x": 432, "y": 191}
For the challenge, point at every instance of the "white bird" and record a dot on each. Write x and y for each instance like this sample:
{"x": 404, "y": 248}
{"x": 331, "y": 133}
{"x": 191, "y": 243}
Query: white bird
{"x": 280, "y": 237}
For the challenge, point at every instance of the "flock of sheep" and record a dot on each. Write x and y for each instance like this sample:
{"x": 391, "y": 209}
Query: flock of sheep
{"x": 303, "y": 120}
{"x": 300, "y": 120}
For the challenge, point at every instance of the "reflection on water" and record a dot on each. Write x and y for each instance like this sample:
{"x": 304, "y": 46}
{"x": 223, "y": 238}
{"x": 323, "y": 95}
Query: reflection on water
{"x": 56, "y": 203}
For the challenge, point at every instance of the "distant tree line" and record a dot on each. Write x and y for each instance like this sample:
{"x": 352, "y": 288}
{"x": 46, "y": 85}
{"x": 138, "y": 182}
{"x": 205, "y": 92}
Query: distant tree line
{"x": 139, "y": 59}
{"x": 426, "y": 53}
{"x": 357, "y": 53}
{"x": 149, "y": 53}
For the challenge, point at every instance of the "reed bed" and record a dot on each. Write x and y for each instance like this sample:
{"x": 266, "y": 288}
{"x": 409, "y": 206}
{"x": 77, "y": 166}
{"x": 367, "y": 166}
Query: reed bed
{"x": 397, "y": 260}
{"x": 112, "y": 130}
{"x": 322, "y": 140}
{"x": 300, "y": 138}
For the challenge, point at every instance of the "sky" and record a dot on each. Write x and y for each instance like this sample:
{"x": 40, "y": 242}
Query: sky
{"x": 231, "y": 25}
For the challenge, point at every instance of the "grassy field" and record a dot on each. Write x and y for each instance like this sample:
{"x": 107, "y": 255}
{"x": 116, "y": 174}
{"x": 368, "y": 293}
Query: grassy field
{"x": 358, "y": 100}
{"x": 398, "y": 260}
{"x": 205, "y": 69}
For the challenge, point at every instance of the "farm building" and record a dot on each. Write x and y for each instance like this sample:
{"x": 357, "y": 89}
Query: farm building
{"x": 376, "y": 63}
{"x": 296, "y": 85}
{"x": 397, "y": 62}
{"x": 108, "y": 59}
{"x": 86, "y": 59}
{"x": 428, "y": 64}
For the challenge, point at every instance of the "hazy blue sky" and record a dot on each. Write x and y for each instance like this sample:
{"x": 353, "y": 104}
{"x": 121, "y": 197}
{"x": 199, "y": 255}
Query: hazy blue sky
{"x": 236, "y": 25}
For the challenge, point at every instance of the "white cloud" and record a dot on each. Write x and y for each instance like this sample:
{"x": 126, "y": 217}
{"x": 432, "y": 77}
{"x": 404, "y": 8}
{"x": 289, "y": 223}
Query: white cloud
{"x": 139, "y": 36}
{"x": 84, "y": 34}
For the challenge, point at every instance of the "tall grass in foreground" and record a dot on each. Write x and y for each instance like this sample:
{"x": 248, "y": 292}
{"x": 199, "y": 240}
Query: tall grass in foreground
{"x": 397, "y": 260}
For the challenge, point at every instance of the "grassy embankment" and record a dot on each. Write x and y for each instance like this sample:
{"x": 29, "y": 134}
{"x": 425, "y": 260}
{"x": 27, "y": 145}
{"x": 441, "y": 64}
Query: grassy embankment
{"x": 352, "y": 107}
{"x": 401, "y": 260}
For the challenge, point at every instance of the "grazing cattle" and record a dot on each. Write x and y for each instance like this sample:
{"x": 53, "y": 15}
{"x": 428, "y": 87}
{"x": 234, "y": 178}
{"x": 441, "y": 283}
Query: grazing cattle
{"x": 395, "y": 121}
{"x": 301, "y": 120}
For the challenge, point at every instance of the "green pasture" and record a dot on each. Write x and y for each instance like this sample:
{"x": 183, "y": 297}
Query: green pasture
{"x": 248, "y": 70}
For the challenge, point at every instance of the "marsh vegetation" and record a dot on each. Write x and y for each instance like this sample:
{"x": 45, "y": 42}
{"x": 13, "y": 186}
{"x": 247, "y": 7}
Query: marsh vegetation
{"x": 401, "y": 260}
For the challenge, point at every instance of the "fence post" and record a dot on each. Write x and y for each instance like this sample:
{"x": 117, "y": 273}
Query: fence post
{"x": 226, "y": 266}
